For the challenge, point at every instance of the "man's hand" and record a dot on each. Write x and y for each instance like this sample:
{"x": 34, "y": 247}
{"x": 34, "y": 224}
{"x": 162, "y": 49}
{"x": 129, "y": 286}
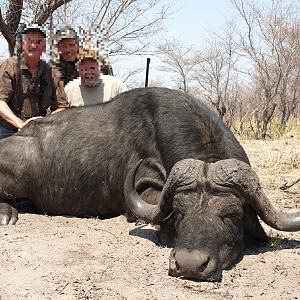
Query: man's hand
{"x": 29, "y": 121}
{"x": 58, "y": 110}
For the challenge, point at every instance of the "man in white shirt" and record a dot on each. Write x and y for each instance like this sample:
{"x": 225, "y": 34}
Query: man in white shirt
{"x": 92, "y": 87}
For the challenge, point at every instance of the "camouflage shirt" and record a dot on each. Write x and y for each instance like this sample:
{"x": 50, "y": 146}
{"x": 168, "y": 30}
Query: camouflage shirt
{"x": 67, "y": 69}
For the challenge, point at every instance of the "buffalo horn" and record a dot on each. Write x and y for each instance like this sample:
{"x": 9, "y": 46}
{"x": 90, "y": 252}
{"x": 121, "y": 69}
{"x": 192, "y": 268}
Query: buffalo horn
{"x": 270, "y": 215}
{"x": 240, "y": 175}
{"x": 143, "y": 210}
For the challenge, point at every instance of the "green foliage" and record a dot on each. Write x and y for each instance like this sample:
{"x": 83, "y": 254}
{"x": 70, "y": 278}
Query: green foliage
{"x": 275, "y": 241}
{"x": 275, "y": 131}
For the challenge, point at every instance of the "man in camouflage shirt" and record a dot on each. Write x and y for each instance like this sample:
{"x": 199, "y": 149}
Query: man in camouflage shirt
{"x": 66, "y": 58}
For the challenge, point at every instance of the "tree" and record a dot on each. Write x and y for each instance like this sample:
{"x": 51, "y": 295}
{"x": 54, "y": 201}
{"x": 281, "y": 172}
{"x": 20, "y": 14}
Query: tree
{"x": 129, "y": 23}
{"x": 179, "y": 60}
{"x": 14, "y": 10}
{"x": 267, "y": 36}
{"x": 216, "y": 73}
{"x": 289, "y": 90}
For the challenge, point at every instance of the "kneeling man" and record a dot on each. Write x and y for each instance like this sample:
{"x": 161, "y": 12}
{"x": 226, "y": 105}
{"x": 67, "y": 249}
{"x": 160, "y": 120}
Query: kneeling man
{"x": 92, "y": 87}
{"x": 28, "y": 86}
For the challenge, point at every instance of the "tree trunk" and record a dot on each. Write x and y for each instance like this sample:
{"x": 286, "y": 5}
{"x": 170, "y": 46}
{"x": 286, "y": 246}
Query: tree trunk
{"x": 267, "y": 115}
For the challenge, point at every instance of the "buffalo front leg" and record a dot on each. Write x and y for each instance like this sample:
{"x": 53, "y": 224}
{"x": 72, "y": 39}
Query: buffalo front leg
{"x": 8, "y": 214}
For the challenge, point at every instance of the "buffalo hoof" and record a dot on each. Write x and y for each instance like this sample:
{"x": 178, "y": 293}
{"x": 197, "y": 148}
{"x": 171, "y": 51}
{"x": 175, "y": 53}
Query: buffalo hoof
{"x": 194, "y": 264}
{"x": 8, "y": 214}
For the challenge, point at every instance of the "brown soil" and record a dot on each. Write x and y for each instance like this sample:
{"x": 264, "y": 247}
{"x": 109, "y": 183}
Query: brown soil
{"x": 63, "y": 257}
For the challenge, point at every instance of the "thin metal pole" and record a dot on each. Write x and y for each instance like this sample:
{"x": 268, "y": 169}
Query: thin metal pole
{"x": 147, "y": 72}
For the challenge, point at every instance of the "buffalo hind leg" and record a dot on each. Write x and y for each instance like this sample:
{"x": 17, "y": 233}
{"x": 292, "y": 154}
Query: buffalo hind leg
{"x": 8, "y": 214}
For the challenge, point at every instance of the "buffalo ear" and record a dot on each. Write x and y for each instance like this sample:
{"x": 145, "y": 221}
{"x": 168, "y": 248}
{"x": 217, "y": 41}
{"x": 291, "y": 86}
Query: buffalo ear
{"x": 254, "y": 234}
{"x": 166, "y": 232}
{"x": 167, "y": 239}
{"x": 149, "y": 182}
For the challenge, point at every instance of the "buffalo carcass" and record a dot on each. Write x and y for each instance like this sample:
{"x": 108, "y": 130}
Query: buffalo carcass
{"x": 195, "y": 181}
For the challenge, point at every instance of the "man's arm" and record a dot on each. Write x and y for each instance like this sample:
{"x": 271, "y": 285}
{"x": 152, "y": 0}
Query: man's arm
{"x": 122, "y": 87}
{"x": 8, "y": 79}
{"x": 59, "y": 98}
{"x": 9, "y": 116}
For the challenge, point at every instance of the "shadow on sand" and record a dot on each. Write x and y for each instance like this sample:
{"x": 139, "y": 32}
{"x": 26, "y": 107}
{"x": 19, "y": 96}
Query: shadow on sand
{"x": 150, "y": 234}
{"x": 145, "y": 233}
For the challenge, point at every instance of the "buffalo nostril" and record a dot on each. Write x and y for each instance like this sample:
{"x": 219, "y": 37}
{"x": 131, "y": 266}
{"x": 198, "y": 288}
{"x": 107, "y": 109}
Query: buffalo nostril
{"x": 177, "y": 266}
{"x": 203, "y": 267}
{"x": 4, "y": 220}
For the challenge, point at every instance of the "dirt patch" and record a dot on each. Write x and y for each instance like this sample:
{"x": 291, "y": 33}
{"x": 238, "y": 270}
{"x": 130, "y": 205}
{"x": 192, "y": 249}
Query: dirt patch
{"x": 63, "y": 257}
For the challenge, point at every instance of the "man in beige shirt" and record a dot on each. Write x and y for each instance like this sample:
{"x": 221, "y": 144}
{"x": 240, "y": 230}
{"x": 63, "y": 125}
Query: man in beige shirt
{"x": 92, "y": 87}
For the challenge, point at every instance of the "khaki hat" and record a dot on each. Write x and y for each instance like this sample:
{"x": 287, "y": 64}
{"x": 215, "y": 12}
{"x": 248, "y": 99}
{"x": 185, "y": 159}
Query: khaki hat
{"x": 65, "y": 33}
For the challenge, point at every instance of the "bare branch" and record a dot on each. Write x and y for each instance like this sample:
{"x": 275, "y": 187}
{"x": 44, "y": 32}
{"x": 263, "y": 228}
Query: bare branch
{"x": 286, "y": 186}
{"x": 179, "y": 60}
{"x": 47, "y": 9}
{"x": 14, "y": 15}
{"x": 6, "y": 33}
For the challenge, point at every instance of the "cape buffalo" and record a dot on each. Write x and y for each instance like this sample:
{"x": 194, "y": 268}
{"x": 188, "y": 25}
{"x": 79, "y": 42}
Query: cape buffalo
{"x": 195, "y": 181}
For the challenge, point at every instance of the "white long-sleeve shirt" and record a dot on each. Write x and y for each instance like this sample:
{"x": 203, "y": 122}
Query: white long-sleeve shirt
{"x": 79, "y": 95}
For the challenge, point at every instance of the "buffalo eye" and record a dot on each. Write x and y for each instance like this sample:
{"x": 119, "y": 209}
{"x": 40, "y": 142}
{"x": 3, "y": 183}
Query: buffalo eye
{"x": 232, "y": 213}
{"x": 178, "y": 216}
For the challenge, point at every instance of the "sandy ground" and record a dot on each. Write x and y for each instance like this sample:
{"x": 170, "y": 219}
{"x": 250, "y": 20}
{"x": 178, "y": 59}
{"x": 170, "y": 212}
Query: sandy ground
{"x": 63, "y": 257}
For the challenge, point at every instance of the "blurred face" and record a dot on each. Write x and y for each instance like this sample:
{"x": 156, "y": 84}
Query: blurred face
{"x": 89, "y": 72}
{"x": 33, "y": 45}
{"x": 68, "y": 49}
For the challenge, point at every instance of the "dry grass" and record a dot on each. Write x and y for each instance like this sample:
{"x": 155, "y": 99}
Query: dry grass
{"x": 276, "y": 163}
{"x": 274, "y": 131}
{"x": 281, "y": 156}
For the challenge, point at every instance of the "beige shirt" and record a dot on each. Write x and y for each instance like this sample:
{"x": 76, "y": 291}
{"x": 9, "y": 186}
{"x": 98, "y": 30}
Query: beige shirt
{"x": 79, "y": 95}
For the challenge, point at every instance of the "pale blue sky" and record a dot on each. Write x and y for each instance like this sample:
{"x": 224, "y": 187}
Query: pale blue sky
{"x": 187, "y": 24}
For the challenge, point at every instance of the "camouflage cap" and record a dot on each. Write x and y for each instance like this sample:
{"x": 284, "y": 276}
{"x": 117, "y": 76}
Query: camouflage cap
{"x": 85, "y": 53}
{"x": 65, "y": 32}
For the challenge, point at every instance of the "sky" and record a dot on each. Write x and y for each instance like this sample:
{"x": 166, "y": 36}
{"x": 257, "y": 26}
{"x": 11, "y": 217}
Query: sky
{"x": 188, "y": 23}
{"x": 194, "y": 15}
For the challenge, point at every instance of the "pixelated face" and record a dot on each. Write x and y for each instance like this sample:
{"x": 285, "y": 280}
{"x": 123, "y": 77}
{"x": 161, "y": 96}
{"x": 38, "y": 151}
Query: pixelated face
{"x": 68, "y": 49}
{"x": 89, "y": 72}
{"x": 33, "y": 45}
